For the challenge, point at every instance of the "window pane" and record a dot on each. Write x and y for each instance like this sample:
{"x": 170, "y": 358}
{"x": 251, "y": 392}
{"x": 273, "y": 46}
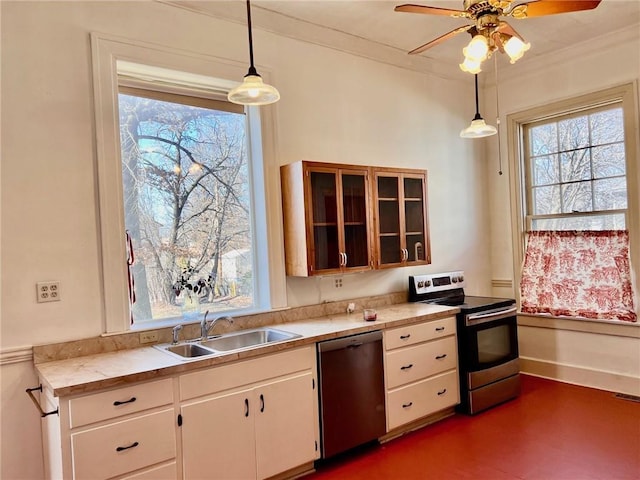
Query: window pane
{"x": 610, "y": 193}
{"x": 573, "y": 133}
{"x": 187, "y": 207}
{"x": 546, "y": 200}
{"x": 575, "y": 165}
{"x": 576, "y": 197}
{"x": 609, "y": 161}
{"x": 545, "y": 170}
{"x": 577, "y": 222}
{"x": 607, "y": 126}
{"x": 543, "y": 139}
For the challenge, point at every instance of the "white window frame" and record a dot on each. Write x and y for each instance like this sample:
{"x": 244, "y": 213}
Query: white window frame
{"x": 627, "y": 95}
{"x": 209, "y": 75}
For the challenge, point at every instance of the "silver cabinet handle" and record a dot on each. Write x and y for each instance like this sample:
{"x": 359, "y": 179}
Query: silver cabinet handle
{"x": 346, "y": 260}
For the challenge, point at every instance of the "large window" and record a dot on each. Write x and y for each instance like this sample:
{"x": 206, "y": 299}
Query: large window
{"x": 576, "y": 170}
{"x": 187, "y": 204}
{"x": 187, "y": 185}
{"x": 576, "y": 208}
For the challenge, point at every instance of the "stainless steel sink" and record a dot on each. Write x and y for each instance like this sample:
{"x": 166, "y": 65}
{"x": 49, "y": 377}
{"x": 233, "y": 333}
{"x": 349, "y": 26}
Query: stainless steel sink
{"x": 188, "y": 350}
{"x": 249, "y": 338}
{"x": 227, "y": 343}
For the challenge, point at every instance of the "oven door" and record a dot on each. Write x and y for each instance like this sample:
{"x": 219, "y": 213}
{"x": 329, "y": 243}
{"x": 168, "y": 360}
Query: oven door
{"x": 491, "y": 339}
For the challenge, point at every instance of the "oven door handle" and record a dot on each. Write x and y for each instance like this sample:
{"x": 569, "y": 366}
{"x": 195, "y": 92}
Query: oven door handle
{"x": 479, "y": 318}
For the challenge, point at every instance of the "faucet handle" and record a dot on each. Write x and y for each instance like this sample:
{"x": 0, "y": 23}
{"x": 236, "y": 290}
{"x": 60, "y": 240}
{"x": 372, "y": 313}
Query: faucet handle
{"x": 175, "y": 331}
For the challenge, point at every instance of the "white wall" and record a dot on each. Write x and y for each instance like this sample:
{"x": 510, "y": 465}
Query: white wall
{"x": 604, "y": 361}
{"x": 360, "y": 112}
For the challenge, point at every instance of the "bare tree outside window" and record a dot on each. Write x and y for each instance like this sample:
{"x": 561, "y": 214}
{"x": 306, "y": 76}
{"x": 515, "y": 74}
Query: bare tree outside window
{"x": 577, "y": 177}
{"x": 187, "y": 206}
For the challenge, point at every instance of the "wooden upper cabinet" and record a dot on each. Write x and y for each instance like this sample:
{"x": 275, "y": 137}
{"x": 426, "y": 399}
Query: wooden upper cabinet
{"x": 400, "y": 218}
{"x": 327, "y": 218}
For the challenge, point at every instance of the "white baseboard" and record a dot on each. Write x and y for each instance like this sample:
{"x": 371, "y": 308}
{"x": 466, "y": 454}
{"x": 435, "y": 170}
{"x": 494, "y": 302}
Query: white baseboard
{"x": 586, "y": 377}
{"x": 16, "y": 355}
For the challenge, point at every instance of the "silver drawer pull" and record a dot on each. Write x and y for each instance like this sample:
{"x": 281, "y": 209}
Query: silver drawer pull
{"x": 120, "y": 449}
{"x": 442, "y": 392}
{"x": 407, "y": 405}
{"x": 404, "y": 337}
{"x": 440, "y": 357}
{"x": 439, "y": 329}
{"x": 118, "y": 402}
{"x": 406, "y": 367}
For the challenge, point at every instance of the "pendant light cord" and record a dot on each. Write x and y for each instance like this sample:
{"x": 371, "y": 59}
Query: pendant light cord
{"x": 495, "y": 58}
{"x": 477, "y": 117}
{"x": 252, "y": 68}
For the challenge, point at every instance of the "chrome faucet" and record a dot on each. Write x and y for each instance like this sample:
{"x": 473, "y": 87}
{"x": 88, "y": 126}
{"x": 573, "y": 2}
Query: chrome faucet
{"x": 206, "y": 326}
{"x": 175, "y": 331}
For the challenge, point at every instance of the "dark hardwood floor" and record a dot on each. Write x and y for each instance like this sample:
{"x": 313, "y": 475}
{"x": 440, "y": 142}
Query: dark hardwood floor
{"x": 553, "y": 431}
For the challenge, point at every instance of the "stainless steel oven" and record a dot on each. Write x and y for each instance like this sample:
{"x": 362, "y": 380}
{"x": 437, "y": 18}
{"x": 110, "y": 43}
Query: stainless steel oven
{"x": 487, "y": 339}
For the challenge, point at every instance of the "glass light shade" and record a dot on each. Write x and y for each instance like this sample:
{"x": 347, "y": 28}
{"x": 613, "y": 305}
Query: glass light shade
{"x": 477, "y": 49}
{"x": 515, "y": 48}
{"x": 470, "y": 66}
{"x": 478, "y": 129}
{"x": 253, "y": 91}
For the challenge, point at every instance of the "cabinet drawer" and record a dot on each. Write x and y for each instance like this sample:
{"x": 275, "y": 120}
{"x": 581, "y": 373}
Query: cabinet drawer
{"x": 225, "y": 377}
{"x": 124, "y": 446}
{"x": 420, "y": 332}
{"x": 409, "y": 403}
{"x": 163, "y": 472}
{"x": 114, "y": 403}
{"x": 410, "y": 364}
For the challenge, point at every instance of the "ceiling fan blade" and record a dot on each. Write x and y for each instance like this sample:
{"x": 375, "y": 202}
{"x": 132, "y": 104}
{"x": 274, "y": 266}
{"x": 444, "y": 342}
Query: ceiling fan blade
{"x": 507, "y": 29}
{"x": 409, "y": 8}
{"x": 440, "y": 39}
{"x": 551, "y": 7}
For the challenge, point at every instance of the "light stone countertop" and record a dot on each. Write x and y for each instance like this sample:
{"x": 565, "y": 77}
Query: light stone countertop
{"x": 90, "y": 373}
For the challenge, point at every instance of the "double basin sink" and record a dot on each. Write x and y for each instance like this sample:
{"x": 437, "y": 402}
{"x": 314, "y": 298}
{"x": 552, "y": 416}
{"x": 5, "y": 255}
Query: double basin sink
{"x": 228, "y": 343}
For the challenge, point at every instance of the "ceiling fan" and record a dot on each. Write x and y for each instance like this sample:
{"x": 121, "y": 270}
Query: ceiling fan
{"x": 489, "y": 32}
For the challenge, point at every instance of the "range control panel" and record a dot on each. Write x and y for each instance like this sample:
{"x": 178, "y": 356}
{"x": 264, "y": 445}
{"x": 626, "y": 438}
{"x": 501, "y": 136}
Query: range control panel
{"x": 437, "y": 282}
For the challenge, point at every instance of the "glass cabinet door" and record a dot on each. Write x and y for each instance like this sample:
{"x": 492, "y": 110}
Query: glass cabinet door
{"x": 324, "y": 205}
{"x": 414, "y": 235}
{"x": 389, "y": 240}
{"x": 356, "y": 229}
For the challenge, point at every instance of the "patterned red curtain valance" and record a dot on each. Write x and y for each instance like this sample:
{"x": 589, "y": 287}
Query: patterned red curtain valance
{"x": 578, "y": 274}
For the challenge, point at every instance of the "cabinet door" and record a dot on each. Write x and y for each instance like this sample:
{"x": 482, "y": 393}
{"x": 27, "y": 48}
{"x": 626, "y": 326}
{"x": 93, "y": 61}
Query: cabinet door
{"x": 284, "y": 420}
{"x": 322, "y": 204}
{"x": 415, "y": 241}
{"x": 218, "y": 440}
{"x": 401, "y": 218}
{"x": 354, "y": 207}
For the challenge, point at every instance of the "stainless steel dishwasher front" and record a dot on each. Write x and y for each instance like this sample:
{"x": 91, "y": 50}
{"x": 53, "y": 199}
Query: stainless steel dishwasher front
{"x": 352, "y": 405}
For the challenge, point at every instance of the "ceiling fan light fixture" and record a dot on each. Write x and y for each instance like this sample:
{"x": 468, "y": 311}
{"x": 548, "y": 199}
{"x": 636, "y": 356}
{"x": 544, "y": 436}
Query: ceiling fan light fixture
{"x": 477, "y": 49}
{"x": 515, "y": 48}
{"x": 471, "y": 66}
{"x": 252, "y": 90}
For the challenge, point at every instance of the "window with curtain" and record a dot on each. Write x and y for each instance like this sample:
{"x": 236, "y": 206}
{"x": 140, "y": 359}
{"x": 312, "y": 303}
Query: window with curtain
{"x": 575, "y": 199}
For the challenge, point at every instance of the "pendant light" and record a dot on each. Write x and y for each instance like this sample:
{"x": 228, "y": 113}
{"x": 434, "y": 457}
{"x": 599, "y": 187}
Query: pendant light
{"x": 478, "y": 127}
{"x": 253, "y": 91}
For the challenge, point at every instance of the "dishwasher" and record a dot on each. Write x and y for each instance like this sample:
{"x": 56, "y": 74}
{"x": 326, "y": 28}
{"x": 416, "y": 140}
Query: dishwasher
{"x": 352, "y": 400}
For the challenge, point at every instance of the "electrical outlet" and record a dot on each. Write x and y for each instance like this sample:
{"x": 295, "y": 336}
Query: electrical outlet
{"x": 338, "y": 283}
{"x": 48, "y": 292}
{"x": 148, "y": 337}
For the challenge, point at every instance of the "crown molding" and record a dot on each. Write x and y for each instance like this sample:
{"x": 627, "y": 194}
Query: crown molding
{"x": 296, "y": 29}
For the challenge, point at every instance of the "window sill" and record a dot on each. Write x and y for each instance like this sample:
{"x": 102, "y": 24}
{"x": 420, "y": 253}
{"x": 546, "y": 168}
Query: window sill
{"x": 602, "y": 327}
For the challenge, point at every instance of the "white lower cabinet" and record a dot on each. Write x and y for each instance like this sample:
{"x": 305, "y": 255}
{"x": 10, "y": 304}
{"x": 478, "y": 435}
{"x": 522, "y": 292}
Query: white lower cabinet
{"x": 421, "y": 376}
{"x": 127, "y": 432}
{"x": 249, "y": 431}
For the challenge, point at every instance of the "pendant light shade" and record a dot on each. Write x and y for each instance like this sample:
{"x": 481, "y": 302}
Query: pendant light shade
{"x": 253, "y": 91}
{"x": 478, "y": 127}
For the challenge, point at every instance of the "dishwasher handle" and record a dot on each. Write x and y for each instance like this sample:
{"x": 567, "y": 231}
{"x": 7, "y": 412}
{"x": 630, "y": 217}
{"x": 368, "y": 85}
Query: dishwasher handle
{"x": 352, "y": 341}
